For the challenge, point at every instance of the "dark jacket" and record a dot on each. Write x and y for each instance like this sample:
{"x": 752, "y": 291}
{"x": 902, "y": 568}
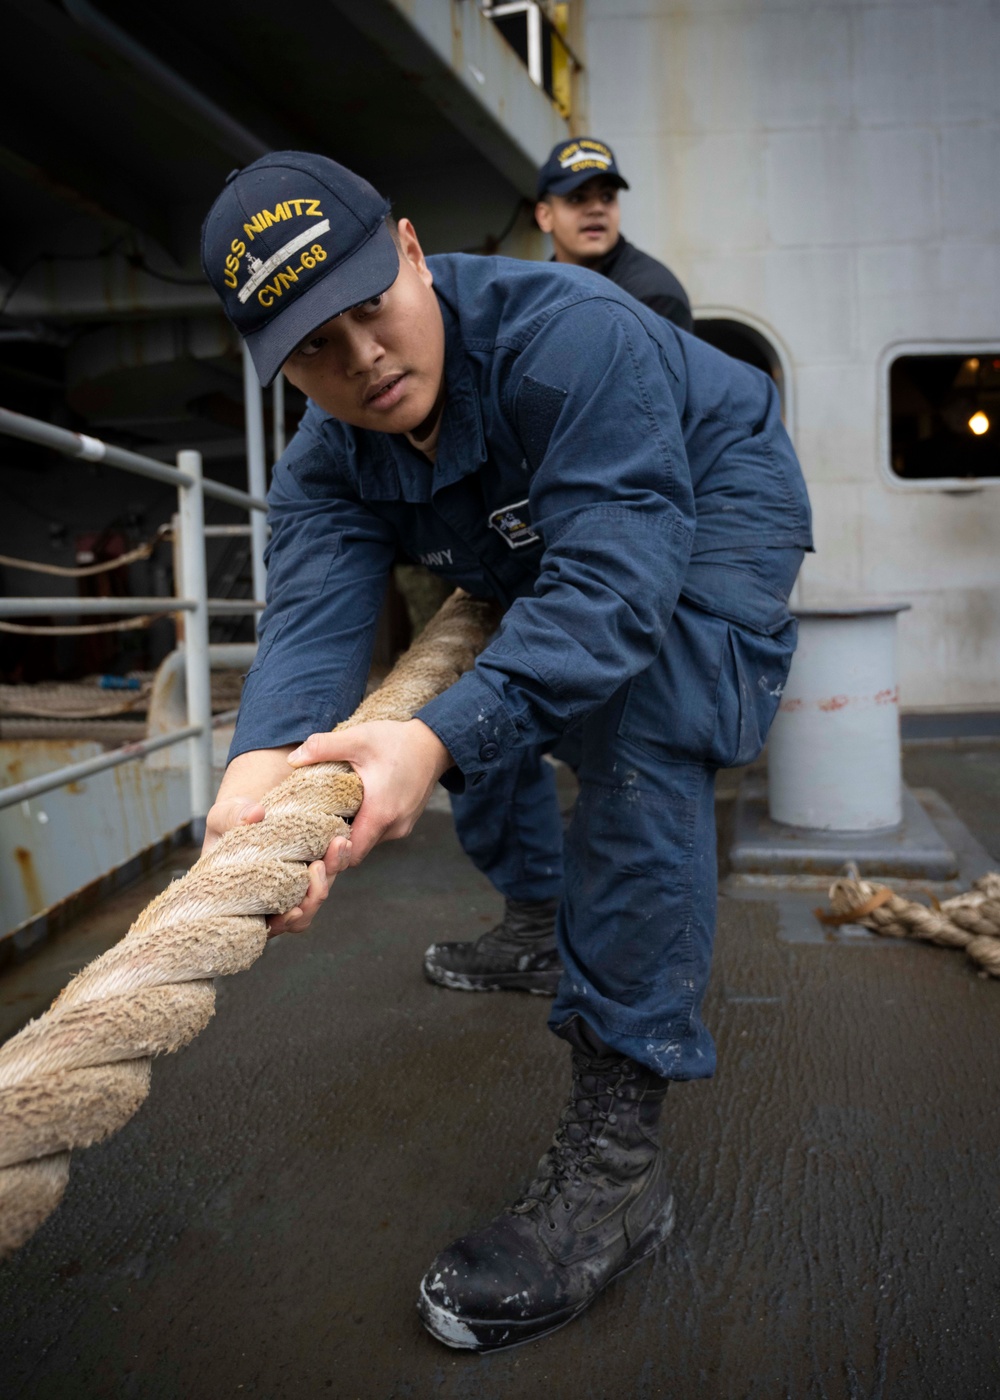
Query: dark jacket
{"x": 649, "y": 282}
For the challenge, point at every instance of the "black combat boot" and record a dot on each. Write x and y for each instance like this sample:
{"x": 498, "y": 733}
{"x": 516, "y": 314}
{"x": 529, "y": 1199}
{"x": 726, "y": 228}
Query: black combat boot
{"x": 598, "y": 1204}
{"x": 518, "y": 955}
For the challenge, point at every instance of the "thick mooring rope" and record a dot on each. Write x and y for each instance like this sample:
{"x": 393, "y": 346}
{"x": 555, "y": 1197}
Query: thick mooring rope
{"x": 83, "y": 629}
{"x": 970, "y": 921}
{"x": 141, "y": 551}
{"x": 80, "y": 1071}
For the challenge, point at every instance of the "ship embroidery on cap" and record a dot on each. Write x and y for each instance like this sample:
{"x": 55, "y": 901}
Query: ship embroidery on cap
{"x": 582, "y": 154}
{"x": 263, "y": 270}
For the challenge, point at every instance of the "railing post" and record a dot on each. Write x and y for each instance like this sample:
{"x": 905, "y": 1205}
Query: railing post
{"x": 178, "y": 563}
{"x": 253, "y": 408}
{"x": 199, "y": 683}
{"x": 278, "y": 395}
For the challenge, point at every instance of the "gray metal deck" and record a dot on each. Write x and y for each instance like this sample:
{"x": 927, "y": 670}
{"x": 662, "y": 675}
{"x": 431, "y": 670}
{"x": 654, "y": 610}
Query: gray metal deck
{"x": 261, "y": 1226}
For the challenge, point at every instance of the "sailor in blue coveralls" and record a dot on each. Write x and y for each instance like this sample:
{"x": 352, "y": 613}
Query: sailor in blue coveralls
{"x": 630, "y": 496}
{"x": 509, "y": 824}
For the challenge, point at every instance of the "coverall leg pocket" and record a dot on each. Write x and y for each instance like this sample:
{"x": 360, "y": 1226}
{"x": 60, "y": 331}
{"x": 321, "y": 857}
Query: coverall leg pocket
{"x": 751, "y": 680}
{"x": 669, "y": 709}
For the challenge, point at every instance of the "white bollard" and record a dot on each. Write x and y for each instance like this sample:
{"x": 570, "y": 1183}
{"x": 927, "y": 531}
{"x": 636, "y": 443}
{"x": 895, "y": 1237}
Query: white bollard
{"x": 834, "y": 760}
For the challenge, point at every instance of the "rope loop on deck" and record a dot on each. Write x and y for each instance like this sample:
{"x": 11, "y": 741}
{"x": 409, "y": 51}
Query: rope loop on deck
{"x": 80, "y": 1071}
{"x": 970, "y": 921}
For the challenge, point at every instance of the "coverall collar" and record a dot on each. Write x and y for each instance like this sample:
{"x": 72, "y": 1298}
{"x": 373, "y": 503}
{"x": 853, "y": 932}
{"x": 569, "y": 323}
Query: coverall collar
{"x": 398, "y": 470}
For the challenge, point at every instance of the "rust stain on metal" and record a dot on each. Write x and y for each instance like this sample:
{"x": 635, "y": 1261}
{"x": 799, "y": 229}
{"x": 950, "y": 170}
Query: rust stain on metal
{"x": 14, "y": 770}
{"x": 457, "y": 37}
{"x": 26, "y": 758}
{"x": 131, "y": 790}
{"x": 29, "y": 878}
{"x": 839, "y": 702}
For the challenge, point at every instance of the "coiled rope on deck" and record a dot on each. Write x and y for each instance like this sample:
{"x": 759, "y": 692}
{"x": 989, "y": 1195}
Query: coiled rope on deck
{"x": 73, "y": 699}
{"x": 80, "y": 1071}
{"x": 970, "y": 921}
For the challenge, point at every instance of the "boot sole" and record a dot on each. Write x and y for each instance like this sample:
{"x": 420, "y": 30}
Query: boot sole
{"x": 540, "y": 984}
{"x": 473, "y": 1334}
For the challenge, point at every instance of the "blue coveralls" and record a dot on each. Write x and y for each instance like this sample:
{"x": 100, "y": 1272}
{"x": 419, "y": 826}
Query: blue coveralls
{"x": 632, "y": 497}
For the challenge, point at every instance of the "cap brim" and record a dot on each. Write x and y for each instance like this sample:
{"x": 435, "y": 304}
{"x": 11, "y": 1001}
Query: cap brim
{"x": 367, "y": 273}
{"x": 567, "y": 183}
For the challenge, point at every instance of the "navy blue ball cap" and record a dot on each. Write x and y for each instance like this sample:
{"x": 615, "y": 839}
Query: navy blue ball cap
{"x": 573, "y": 163}
{"x": 292, "y": 241}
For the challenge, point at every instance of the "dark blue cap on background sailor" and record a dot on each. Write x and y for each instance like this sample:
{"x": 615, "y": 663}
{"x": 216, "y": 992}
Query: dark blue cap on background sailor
{"x": 287, "y": 225}
{"x": 572, "y": 163}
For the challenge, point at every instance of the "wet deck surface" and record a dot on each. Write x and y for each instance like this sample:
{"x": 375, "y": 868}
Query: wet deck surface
{"x": 261, "y": 1226}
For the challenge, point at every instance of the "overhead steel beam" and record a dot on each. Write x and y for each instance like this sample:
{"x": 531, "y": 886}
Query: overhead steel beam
{"x": 57, "y": 189}
{"x": 183, "y": 97}
{"x": 107, "y": 203}
{"x": 464, "y": 66}
{"x": 109, "y": 288}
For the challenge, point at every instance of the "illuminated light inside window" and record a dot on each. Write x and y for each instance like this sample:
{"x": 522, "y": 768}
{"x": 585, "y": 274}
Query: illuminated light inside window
{"x": 944, "y": 415}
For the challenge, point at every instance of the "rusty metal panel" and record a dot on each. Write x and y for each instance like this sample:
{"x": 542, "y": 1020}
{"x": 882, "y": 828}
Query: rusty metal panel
{"x": 53, "y": 845}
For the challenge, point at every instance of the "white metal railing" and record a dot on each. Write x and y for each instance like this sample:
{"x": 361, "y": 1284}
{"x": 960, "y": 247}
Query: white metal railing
{"x": 192, "y": 488}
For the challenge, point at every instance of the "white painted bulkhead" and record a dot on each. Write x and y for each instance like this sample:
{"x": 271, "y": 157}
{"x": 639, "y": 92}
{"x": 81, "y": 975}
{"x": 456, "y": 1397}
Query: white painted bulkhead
{"x": 829, "y": 172}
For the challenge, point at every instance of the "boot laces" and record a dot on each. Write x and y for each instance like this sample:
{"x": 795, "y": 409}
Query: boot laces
{"x": 597, "y": 1087}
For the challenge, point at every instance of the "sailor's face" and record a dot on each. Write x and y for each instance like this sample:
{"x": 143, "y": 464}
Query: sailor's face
{"x": 381, "y": 364}
{"x": 584, "y": 224}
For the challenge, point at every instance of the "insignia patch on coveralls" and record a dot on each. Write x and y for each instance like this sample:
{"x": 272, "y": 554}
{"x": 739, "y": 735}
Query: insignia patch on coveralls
{"x": 513, "y": 524}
